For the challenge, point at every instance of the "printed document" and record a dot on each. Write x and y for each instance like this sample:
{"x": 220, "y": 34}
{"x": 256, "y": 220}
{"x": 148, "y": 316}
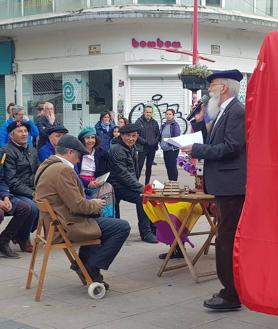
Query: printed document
{"x": 187, "y": 139}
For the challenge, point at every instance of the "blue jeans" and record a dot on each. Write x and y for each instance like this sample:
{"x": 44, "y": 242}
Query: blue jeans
{"x": 34, "y": 210}
{"x": 114, "y": 232}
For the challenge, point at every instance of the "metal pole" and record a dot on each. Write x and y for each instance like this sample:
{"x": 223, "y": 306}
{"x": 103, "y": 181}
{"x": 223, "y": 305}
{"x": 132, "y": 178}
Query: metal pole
{"x": 195, "y": 44}
{"x": 195, "y": 33}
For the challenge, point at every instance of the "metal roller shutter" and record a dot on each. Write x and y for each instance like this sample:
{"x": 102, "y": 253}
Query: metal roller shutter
{"x": 142, "y": 91}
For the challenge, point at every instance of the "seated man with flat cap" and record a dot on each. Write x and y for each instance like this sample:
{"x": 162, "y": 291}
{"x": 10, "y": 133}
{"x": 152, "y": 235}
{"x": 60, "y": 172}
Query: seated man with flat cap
{"x": 124, "y": 175}
{"x": 54, "y": 134}
{"x": 224, "y": 175}
{"x": 57, "y": 182}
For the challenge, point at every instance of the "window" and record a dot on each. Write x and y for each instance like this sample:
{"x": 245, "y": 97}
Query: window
{"x": 33, "y": 7}
{"x": 10, "y": 8}
{"x": 65, "y": 5}
{"x": 214, "y": 3}
{"x": 158, "y": 2}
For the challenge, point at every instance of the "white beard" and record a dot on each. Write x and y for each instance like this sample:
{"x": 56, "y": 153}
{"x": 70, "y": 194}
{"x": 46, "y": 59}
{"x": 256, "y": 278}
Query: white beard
{"x": 213, "y": 105}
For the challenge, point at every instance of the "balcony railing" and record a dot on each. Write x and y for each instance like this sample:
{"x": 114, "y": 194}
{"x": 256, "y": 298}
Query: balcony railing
{"x": 17, "y": 8}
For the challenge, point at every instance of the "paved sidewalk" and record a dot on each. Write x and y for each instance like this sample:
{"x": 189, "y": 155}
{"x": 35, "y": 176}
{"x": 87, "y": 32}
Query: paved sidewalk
{"x": 137, "y": 299}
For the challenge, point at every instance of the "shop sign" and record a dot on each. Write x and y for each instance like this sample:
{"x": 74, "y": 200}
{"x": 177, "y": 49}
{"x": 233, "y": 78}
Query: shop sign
{"x": 158, "y": 43}
{"x": 94, "y": 49}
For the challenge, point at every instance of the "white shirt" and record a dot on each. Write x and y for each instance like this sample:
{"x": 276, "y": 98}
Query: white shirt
{"x": 65, "y": 161}
{"x": 88, "y": 165}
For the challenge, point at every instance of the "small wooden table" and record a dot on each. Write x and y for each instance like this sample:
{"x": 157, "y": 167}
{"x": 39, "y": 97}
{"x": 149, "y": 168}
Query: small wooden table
{"x": 195, "y": 198}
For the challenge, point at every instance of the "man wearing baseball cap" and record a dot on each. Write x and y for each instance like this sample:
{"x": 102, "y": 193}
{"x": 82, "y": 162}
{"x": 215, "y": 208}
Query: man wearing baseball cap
{"x": 224, "y": 153}
{"x": 57, "y": 182}
{"x": 54, "y": 134}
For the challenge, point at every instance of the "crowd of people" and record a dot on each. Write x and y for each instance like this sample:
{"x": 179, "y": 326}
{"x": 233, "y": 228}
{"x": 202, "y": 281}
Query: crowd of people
{"x": 40, "y": 160}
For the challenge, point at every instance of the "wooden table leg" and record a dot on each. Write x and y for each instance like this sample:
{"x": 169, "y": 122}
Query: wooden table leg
{"x": 178, "y": 241}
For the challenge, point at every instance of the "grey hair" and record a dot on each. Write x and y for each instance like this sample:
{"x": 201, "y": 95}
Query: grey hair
{"x": 17, "y": 108}
{"x": 233, "y": 86}
{"x": 61, "y": 150}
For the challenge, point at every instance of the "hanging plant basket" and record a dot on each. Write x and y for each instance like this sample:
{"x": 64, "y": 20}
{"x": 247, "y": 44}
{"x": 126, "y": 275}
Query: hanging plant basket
{"x": 192, "y": 82}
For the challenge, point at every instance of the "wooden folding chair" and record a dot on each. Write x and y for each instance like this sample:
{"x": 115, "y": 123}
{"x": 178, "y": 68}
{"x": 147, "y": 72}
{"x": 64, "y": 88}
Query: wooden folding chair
{"x": 95, "y": 290}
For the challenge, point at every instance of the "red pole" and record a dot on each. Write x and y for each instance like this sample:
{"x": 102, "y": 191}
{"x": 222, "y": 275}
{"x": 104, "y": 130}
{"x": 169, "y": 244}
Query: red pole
{"x": 195, "y": 33}
{"x": 195, "y": 45}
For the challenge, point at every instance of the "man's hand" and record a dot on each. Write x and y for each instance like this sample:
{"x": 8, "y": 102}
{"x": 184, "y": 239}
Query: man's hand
{"x": 6, "y": 204}
{"x": 94, "y": 185}
{"x": 200, "y": 116}
{"x": 100, "y": 203}
{"x": 187, "y": 149}
{"x": 50, "y": 116}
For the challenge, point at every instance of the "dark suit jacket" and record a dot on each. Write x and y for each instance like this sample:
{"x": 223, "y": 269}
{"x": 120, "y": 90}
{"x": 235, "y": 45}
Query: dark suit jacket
{"x": 225, "y": 153}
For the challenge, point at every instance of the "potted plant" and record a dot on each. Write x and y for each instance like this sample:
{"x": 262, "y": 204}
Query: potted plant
{"x": 194, "y": 77}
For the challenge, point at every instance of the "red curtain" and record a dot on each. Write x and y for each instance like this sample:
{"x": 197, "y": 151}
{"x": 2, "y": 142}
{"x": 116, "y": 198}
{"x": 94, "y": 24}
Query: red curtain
{"x": 256, "y": 241}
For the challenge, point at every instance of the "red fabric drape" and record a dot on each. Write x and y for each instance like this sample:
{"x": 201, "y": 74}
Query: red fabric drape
{"x": 256, "y": 241}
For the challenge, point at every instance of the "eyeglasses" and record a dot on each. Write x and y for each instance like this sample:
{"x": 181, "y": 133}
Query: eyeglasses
{"x": 216, "y": 84}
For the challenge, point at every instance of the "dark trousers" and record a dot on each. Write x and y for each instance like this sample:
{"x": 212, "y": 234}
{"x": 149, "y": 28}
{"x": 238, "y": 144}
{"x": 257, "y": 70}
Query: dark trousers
{"x": 34, "y": 210}
{"x": 170, "y": 160}
{"x": 20, "y": 225}
{"x": 144, "y": 224}
{"x": 114, "y": 232}
{"x": 148, "y": 154}
{"x": 229, "y": 210}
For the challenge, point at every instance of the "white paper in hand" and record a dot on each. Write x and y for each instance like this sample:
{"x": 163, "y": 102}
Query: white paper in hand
{"x": 187, "y": 139}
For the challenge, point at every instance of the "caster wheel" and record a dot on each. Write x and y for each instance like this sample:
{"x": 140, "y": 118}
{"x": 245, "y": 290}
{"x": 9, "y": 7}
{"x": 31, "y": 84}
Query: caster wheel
{"x": 96, "y": 290}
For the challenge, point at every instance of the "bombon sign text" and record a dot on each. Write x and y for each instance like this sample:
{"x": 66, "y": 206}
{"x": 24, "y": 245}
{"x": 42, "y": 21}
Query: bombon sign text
{"x": 158, "y": 43}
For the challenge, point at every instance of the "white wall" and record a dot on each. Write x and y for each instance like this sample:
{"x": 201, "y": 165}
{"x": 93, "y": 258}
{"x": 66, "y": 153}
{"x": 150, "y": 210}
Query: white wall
{"x": 66, "y": 50}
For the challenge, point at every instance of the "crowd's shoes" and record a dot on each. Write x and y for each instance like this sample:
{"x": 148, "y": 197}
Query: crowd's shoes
{"x": 25, "y": 246}
{"x": 219, "y": 303}
{"x": 176, "y": 254}
{"x": 150, "y": 238}
{"x": 94, "y": 274}
{"x": 7, "y": 252}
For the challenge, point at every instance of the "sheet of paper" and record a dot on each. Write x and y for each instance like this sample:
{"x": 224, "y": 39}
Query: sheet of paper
{"x": 187, "y": 139}
{"x": 103, "y": 178}
{"x": 157, "y": 184}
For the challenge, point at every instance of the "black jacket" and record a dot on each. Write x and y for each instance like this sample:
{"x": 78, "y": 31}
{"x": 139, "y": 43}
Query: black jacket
{"x": 142, "y": 143}
{"x": 20, "y": 167}
{"x": 225, "y": 153}
{"x": 43, "y": 125}
{"x": 123, "y": 167}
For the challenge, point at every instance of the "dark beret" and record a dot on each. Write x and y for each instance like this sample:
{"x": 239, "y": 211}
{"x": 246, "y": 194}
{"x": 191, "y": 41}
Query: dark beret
{"x": 130, "y": 128}
{"x": 57, "y": 129}
{"x": 228, "y": 74}
{"x": 73, "y": 143}
{"x": 15, "y": 124}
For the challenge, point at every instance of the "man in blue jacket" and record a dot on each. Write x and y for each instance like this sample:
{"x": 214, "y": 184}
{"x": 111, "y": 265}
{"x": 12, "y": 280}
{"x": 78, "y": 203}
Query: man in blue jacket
{"x": 20, "y": 225}
{"x": 18, "y": 115}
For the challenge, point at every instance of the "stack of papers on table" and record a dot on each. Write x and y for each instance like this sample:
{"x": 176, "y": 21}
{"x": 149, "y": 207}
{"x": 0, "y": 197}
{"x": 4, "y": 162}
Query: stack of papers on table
{"x": 187, "y": 139}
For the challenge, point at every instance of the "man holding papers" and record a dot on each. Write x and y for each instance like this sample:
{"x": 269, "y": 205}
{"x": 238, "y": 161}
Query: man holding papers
{"x": 224, "y": 175}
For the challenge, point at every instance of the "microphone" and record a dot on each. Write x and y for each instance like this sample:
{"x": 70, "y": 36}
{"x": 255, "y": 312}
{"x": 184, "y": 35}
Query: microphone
{"x": 204, "y": 100}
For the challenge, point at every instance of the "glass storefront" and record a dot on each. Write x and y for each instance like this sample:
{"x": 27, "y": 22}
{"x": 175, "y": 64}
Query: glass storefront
{"x": 78, "y": 97}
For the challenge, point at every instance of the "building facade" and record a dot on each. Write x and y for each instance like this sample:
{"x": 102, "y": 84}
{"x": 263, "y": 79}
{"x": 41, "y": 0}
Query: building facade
{"x": 89, "y": 56}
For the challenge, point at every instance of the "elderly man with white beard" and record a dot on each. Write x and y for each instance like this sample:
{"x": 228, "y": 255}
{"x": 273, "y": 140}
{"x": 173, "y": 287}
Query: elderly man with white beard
{"x": 224, "y": 154}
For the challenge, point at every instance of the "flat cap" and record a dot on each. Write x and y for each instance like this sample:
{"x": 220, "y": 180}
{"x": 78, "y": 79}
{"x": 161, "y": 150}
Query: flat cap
{"x": 16, "y": 124}
{"x": 73, "y": 143}
{"x": 17, "y": 108}
{"x": 130, "y": 128}
{"x": 57, "y": 129}
{"x": 228, "y": 74}
{"x": 87, "y": 131}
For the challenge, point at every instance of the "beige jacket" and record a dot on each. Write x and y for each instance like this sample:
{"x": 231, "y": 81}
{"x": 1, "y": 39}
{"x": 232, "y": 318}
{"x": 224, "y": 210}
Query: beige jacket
{"x": 60, "y": 186}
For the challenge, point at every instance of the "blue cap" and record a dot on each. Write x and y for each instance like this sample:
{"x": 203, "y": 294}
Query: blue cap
{"x": 228, "y": 74}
